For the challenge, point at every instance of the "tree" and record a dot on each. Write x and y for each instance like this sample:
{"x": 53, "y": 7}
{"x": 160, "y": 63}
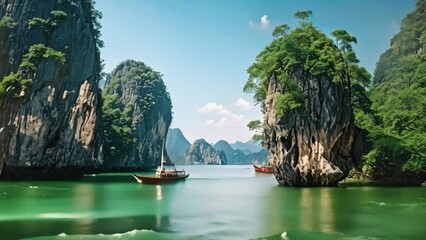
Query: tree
{"x": 257, "y": 127}
{"x": 303, "y": 15}
{"x": 281, "y": 30}
{"x": 308, "y": 52}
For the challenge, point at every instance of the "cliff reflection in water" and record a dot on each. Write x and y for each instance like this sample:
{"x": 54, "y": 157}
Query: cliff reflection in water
{"x": 308, "y": 209}
{"x": 316, "y": 208}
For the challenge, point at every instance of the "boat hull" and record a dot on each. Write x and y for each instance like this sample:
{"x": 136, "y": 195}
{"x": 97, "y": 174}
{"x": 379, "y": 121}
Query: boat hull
{"x": 158, "y": 180}
{"x": 263, "y": 169}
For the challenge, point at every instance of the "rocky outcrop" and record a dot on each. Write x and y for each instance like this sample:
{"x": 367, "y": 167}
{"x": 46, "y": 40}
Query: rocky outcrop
{"x": 177, "y": 145}
{"x": 136, "y": 117}
{"x": 201, "y": 152}
{"x": 315, "y": 145}
{"x": 48, "y": 123}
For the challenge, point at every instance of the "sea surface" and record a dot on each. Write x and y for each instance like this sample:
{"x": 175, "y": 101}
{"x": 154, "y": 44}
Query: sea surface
{"x": 215, "y": 202}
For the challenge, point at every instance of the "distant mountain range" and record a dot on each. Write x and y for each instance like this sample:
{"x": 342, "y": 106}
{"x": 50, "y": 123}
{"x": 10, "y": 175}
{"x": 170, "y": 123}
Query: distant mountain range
{"x": 247, "y": 147}
{"x": 237, "y": 153}
{"x": 233, "y": 156}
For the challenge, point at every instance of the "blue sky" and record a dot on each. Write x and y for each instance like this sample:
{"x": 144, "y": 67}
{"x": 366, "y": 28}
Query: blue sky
{"x": 203, "y": 48}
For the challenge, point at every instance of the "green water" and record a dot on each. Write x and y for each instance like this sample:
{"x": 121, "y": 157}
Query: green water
{"x": 215, "y": 202}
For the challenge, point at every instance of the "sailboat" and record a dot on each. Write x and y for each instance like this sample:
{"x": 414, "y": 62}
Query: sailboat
{"x": 165, "y": 173}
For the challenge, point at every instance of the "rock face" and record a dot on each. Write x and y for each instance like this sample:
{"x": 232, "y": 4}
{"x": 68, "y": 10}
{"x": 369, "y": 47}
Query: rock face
{"x": 314, "y": 146}
{"x": 177, "y": 145}
{"x": 201, "y": 152}
{"x": 137, "y": 115}
{"x": 47, "y": 130}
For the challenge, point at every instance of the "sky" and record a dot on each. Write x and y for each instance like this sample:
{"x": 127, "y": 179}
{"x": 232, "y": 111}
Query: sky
{"x": 204, "y": 47}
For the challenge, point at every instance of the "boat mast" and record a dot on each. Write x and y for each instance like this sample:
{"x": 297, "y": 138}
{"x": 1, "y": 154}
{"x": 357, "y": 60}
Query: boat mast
{"x": 162, "y": 156}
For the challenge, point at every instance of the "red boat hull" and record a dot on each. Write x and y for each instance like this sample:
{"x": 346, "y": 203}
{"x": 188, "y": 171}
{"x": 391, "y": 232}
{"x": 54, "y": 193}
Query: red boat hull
{"x": 263, "y": 169}
{"x": 158, "y": 180}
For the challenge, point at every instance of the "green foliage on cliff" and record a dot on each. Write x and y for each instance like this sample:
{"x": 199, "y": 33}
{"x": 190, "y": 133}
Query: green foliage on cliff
{"x": 16, "y": 82}
{"x": 7, "y": 23}
{"x": 48, "y": 24}
{"x": 60, "y": 15}
{"x": 119, "y": 129}
{"x": 397, "y": 121}
{"x": 37, "y": 22}
{"x": 129, "y": 100}
{"x": 407, "y": 51}
{"x": 6, "y": 26}
{"x": 40, "y": 51}
{"x": 306, "y": 53}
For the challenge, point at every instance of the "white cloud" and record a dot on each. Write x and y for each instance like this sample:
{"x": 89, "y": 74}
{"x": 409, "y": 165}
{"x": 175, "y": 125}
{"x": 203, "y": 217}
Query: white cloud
{"x": 243, "y": 104}
{"x": 227, "y": 118}
{"x": 263, "y": 24}
{"x": 230, "y": 120}
{"x": 264, "y": 21}
{"x": 213, "y": 108}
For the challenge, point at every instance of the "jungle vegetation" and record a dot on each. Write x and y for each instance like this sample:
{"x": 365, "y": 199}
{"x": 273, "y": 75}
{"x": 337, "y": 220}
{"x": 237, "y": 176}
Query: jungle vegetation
{"x": 397, "y": 121}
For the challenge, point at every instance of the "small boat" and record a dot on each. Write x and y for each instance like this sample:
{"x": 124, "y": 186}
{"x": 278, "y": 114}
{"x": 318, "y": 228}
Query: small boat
{"x": 165, "y": 173}
{"x": 263, "y": 168}
{"x": 162, "y": 175}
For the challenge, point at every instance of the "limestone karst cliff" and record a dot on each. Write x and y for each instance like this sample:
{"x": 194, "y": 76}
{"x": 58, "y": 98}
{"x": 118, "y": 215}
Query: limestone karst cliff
{"x": 49, "y": 70}
{"x": 314, "y": 146}
{"x": 306, "y": 83}
{"x": 136, "y": 117}
{"x": 202, "y": 152}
